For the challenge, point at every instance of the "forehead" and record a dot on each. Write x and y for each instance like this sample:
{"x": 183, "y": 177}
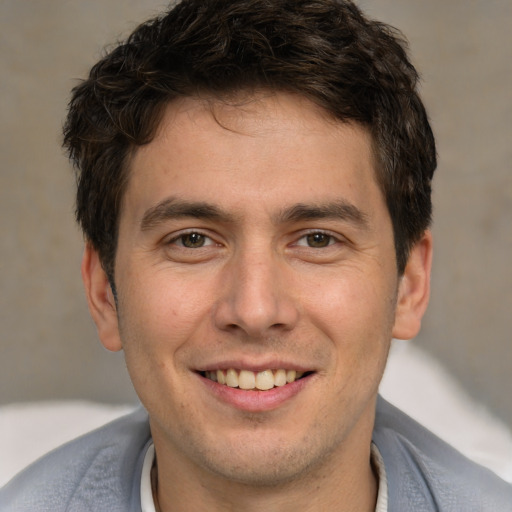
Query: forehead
{"x": 267, "y": 147}
{"x": 263, "y": 113}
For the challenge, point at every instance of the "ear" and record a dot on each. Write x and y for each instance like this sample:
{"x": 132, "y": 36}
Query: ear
{"x": 100, "y": 298}
{"x": 414, "y": 290}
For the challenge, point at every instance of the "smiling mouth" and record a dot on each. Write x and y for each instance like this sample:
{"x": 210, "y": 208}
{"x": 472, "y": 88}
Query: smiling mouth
{"x": 258, "y": 381}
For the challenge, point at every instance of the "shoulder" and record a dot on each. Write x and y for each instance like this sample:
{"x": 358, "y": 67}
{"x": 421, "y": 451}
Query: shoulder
{"x": 426, "y": 474}
{"x": 98, "y": 471}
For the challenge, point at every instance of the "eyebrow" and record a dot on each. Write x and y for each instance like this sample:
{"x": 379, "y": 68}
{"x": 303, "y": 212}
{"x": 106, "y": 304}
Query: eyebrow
{"x": 337, "y": 210}
{"x": 173, "y": 208}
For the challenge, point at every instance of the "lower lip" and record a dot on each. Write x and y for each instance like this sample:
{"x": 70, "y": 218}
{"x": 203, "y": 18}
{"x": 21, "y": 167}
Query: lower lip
{"x": 256, "y": 401}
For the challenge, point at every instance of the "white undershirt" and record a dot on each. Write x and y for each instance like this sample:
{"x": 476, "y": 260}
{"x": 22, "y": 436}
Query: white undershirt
{"x": 382, "y": 480}
{"x": 146, "y": 492}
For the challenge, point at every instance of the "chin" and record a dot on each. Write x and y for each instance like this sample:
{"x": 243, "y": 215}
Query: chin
{"x": 264, "y": 463}
{"x": 271, "y": 472}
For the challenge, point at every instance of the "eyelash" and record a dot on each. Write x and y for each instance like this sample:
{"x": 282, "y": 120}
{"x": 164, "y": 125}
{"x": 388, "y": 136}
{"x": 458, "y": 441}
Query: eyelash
{"x": 181, "y": 236}
{"x": 330, "y": 239}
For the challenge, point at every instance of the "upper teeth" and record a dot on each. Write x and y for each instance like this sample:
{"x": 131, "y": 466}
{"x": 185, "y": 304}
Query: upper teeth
{"x": 245, "y": 379}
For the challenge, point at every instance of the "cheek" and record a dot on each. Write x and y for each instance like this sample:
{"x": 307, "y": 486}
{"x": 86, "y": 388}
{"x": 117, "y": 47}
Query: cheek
{"x": 352, "y": 301}
{"x": 157, "y": 321}
{"x": 163, "y": 308}
{"x": 157, "y": 325}
{"x": 356, "y": 314}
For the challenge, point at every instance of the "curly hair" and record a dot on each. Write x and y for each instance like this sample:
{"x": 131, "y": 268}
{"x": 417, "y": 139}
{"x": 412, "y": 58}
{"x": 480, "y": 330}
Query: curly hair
{"x": 355, "y": 68}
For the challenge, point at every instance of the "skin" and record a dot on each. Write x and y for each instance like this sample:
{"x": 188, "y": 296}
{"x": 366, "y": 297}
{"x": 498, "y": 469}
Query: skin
{"x": 294, "y": 267}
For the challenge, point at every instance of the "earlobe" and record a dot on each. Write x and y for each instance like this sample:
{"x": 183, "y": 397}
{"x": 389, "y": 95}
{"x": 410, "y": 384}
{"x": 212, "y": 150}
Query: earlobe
{"x": 100, "y": 299}
{"x": 414, "y": 290}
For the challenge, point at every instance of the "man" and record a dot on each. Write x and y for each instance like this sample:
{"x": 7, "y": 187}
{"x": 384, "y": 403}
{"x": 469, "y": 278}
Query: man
{"x": 254, "y": 184}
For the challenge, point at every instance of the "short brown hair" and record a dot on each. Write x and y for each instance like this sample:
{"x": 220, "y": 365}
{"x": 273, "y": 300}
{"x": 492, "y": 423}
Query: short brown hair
{"x": 326, "y": 50}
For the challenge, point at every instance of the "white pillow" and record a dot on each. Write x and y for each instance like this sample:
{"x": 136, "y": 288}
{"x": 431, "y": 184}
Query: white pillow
{"x": 29, "y": 430}
{"x": 419, "y": 385}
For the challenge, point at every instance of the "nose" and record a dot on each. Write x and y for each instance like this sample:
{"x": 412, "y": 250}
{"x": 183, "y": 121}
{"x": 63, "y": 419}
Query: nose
{"x": 257, "y": 296}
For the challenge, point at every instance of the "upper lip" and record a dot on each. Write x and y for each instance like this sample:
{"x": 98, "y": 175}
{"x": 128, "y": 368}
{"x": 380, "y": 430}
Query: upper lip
{"x": 254, "y": 366}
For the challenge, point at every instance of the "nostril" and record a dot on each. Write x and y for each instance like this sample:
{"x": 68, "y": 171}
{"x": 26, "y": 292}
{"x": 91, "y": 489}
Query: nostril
{"x": 254, "y": 310}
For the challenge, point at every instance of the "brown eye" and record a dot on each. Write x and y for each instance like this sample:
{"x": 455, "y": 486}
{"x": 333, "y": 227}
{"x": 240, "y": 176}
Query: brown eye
{"x": 193, "y": 240}
{"x": 318, "y": 240}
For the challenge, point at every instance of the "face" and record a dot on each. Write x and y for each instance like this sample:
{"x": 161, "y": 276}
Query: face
{"x": 257, "y": 288}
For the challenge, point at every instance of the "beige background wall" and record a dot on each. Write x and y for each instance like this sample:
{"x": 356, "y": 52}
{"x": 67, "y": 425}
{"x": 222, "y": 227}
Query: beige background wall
{"x": 48, "y": 345}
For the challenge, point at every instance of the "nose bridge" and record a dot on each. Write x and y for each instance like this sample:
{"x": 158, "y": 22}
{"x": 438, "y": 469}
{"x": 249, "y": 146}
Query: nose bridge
{"x": 256, "y": 298}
